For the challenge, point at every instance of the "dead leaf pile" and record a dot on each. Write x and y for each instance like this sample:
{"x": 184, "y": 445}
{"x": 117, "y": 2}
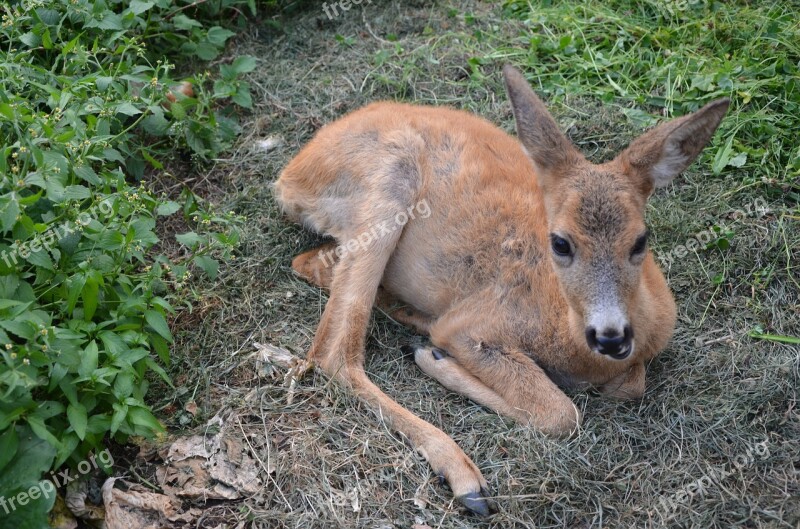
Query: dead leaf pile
{"x": 204, "y": 468}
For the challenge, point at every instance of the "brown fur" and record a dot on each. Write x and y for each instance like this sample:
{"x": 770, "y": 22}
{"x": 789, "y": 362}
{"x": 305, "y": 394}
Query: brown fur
{"x": 508, "y": 319}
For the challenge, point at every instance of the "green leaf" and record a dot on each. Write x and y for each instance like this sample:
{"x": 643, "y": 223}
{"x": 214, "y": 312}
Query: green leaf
{"x": 190, "y": 239}
{"x": 143, "y": 417}
{"x": 30, "y": 39}
{"x": 722, "y": 157}
{"x": 89, "y": 359}
{"x": 177, "y": 110}
{"x": 158, "y": 370}
{"x": 23, "y": 329}
{"x": 108, "y": 20}
{"x": 196, "y": 142}
{"x": 64, "y": 137}
{"x": 69, "y": 389}
{"x": 185, "y": 23}
{"x": 158, "y": 322}
{"x": 6, "y": 303}
{"x": 242, "y": 96}
{"x": 34, "y": 457}
{"x": 139, "y": 6}
{"x": 50, "y": 17}
{"x": 739, "y": 160}
{"x": 206, "y": 51}
{"x": 75, "y": 286}
{"x": 7, "y": 111}
{"x": 9, "y": 441}
{"x": 123, "y": 386}
{"x": 168, "y": 208}
{"x": 84, "y": 172}
{"x": 208, "y": 265}
{"x": 89, "y": 295}
{"x": 47, "y": 40}
{"x": 218, "y": 35}
{"x": 152, "y": 161}
{"x": 77, "y": 419}
{"x": 41, "y": 259}
{"x": 639, "y": 118}
{"x": 156, "y": 124}
{"x": 113, "y": 343}
{"x": 224, "y": 88}
{"x": 127, "y": 108}
{"x": 77, "y": 192}
{"x": 244, "y": 64}
{"x": 69, "y": 46}
{"x": 41, "y": 431}
{"x": 120, "y": 413}
{"x": 9, "y": 211}
{"x": 69, "y": 442}
{"x": 162, "y": 348}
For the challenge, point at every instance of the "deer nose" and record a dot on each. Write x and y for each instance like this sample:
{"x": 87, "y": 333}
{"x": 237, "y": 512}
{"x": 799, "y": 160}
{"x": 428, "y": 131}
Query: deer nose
{"x": 610, "y": 342}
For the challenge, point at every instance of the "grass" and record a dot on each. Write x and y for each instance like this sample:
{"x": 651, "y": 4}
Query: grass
{"x": 721, "y": 403}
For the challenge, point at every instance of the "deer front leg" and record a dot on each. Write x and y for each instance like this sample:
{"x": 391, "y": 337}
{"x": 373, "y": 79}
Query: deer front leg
{"x": 439, "y": 365}
{"x": 505, "y": 381}
{"x": 495, "y": 374}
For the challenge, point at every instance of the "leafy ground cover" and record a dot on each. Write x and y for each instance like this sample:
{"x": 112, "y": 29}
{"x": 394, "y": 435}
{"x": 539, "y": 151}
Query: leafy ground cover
{"x": 89, "y": 103}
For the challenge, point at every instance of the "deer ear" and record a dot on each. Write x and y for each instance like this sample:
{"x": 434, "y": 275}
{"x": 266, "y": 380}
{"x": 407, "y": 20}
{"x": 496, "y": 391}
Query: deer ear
{"x": 536, "y": 128}
{"x": 659, "y": 155}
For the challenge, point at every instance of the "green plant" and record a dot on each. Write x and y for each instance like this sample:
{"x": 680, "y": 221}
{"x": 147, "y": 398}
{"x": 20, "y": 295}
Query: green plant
{"x": 84, "y": 297}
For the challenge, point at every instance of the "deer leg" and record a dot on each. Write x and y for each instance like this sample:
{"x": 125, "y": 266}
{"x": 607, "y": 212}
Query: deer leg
{"x": 495, "y": 375}
{"x": 505, "y": 381}
{"x": 316, "y": 266}
{"x": 439, "y": 365}
{"x": 403, "y": 313}
{"x": 338, "y": 349}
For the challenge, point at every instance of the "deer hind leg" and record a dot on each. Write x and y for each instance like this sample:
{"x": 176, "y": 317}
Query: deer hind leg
{"x": 403, "y": 313}
{"x": 338, "y": 349}
{"x": 317, "y": 265}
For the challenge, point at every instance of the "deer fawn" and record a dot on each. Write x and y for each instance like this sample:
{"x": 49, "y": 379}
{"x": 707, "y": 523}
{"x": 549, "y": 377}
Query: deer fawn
{"x": 531, "y": 270}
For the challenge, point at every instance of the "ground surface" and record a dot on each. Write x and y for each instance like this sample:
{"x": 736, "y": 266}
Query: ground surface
{"x": 720, "y": 409}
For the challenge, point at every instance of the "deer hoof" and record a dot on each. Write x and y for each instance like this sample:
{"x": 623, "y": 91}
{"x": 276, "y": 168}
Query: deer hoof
{"x": 476, "y": 503}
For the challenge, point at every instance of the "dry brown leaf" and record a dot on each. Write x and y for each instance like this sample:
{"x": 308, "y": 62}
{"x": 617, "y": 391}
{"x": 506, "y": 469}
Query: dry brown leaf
{"x": 205, "y": 468}
{"x": 270, "y": 356}
{"x": 75, "y": 499}
{"x": 138, "y": 508}
{"x": 191, "y": 407}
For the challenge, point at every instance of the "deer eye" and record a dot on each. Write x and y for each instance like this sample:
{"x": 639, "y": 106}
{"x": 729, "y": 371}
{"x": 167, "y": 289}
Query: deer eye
{"x": 640, "y": 245}
{"x": 560, "y": 246}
